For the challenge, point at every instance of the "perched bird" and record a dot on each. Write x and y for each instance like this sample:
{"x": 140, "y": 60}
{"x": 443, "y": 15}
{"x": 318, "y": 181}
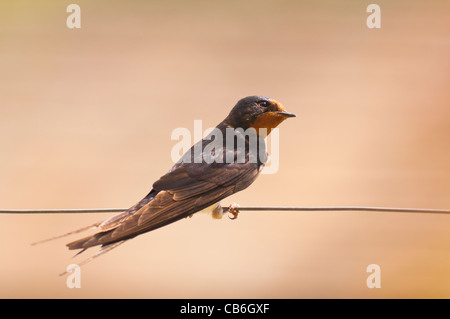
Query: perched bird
{"x": 201, "y": 178}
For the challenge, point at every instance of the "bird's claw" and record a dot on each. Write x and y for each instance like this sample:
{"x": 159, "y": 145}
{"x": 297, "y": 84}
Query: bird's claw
{"x": 233, "y": 209}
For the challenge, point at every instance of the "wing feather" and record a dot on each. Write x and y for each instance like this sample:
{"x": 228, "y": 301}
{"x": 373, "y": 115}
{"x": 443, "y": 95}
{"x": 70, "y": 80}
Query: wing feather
{"x": 183, "y": 191}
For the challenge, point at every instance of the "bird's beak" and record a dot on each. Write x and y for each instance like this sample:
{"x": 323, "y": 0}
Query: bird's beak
{"x": 286, "y": 114}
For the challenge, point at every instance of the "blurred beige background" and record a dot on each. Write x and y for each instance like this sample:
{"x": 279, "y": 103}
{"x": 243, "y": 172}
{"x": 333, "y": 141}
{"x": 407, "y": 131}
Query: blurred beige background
{"x": 86, "y": 117}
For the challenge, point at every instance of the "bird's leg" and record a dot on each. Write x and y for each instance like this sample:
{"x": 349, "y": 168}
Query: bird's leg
{"x": 233, "y": 209}
{"x": 217, "y": 211}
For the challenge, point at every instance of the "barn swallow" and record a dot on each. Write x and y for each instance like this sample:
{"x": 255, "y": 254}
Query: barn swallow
{"x": 196, "y": 182}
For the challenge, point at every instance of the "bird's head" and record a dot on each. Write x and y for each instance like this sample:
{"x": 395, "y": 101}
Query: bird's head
{"x": 257, "y": 112}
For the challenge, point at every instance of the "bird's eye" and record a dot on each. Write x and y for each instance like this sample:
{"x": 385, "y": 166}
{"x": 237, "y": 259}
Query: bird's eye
{"x": 263, "y": 103}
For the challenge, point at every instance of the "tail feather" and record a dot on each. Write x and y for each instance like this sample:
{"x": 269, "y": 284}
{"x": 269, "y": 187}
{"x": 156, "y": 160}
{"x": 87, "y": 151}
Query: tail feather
{"x": 103, "y": 250}
{"x": 105, "y": 229}
{"x": 96, "y": 225}
{"x": 88, "y": 241}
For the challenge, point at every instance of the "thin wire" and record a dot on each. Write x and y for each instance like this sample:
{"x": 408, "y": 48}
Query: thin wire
{"x": 348, "y": 208}
{"x": 61, "y": 211}
{"x": 244, "y": 208}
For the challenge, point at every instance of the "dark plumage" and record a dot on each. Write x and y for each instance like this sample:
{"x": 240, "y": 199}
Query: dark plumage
{"x": 190, "y": 186}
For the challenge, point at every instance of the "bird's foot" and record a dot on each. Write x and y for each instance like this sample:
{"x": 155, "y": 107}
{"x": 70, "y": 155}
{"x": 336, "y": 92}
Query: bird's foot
{"x": 233, "y": 209}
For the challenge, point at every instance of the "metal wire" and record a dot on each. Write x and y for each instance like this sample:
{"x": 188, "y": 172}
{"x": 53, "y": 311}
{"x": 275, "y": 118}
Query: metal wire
{"x": 62, "y": 211}
{"x": 244, "y": 208}
{"x": 348, "y": 208}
